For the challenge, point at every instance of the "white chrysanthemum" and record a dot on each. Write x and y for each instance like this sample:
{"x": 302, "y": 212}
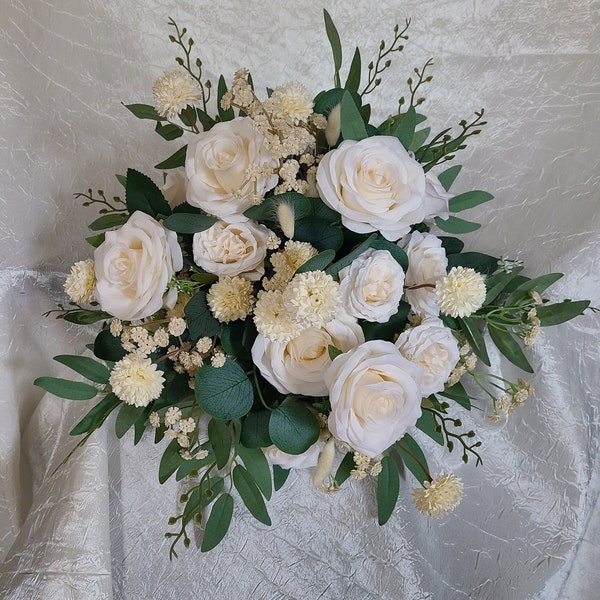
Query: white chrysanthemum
{"x": 173, "y": 91}
{"x": 293, "y": 101}
{"x": 231, "y": 298}
{"x": 312, "y": 298}
{"x": 136, "y": 380}
{"x": 272, "y": 319}
{"x": 461, "y": 292}
{"x": 439, "y": 496}
{"x": 81, "y": 281}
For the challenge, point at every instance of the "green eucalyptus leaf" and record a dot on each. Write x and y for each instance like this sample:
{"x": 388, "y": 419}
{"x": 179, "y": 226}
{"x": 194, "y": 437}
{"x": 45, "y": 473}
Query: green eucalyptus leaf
{"x": 345, "y": 468}
{"x": 255, "y": 430}
{"x": 388, "y": 488}
{"x": 353, "y": 80}
{"x": 397, "y": 253}
{"x": 406, "y": 128}
{"x": 224, "y": 392}
{"x": 497, "y": 283}
{"x": 96, "y": 416}
{"x": 189, "y": 223}
{"x": 267, "y": 209}
{"x": 256, "y": 464}
{"x": 473, "y": 334}
{"x": 353, "y": 126}
{"x": 250, "y": 494}
{"x": 554, "y": 314}
{"x": 448, "y": 176}
{"x": 419, "y": 138}
{"x": 88, "y": 367}
{"x": 319, "y": 232}
{"x": 387, "y": 331}
{"x": 170, "y": 461}
{"x": 95, "y": 240}
{"x": 336, "y": 267}
{"x": 200, "y": 320}
{"x": 86, "y": 317}
{"x": 318, "y": 262}
{"x": 333, "y": 352}
{"x": 482, "y": 263}
{"x": 108, "y": 347}
{"x": 457, "y": 393}
{"x": 469, "y": 200}
{"x": 451, "y": 245}
{"x": 193, "y": 464}
{"x": 280, "y": 476}
{"x": 64, "y": 388}
{"x": 510, "y": 348}
{"x": 127, "y": 416}
{"x": 336, "y": 46}
{"x": 411, "y": 454}
{"x": 456, "y": 225}
{"x": 426, "y": 423}
{"x": 219, "y": 436}
{"x": 218, "y": 522}
{"x": 537, "y": 284}
{"x": 293, "y": 427}
{"x": 108, "y": 221}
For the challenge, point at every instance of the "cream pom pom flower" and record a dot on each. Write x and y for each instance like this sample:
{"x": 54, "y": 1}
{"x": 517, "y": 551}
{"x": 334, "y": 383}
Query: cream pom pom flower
{"x": 81, "y": 281}
{"x": 461, "y": 293}
{"x": 231, "y": 298}
{"x": 292, "y": 101}
{"x": 272, "y": 319}
{"x": 439, "y": 496}
{"x": 136, "y": 380}
{"x": 173, "y": 91}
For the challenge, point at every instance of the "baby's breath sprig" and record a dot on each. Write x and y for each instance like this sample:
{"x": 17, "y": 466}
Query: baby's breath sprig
{"x": 186, "y": 45}
{"x": 382, "y": 62}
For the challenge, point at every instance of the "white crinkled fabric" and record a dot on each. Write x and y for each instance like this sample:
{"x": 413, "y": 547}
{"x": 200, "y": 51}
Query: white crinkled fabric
{"x": 528, "y": 527}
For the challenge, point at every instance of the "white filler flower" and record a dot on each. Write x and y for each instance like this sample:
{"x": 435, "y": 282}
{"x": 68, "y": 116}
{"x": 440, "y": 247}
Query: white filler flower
{"x": 136, "y": 380}
{"x": 173, "y": 91}
{"x": 461, "y": 292}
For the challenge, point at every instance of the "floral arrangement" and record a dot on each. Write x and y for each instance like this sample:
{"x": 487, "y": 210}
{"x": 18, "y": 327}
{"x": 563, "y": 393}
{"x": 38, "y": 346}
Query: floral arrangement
{"x": 281, "y": 302}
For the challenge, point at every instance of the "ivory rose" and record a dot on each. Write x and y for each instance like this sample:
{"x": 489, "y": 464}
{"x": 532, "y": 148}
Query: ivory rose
{"x": 308, "y": 458}
{"x": 432, "y": 345}
{"x": 436, "y": 197}
{"x": 375, "y": 396}
{"x": 427, "y": 264}
{"x": 375, "y": 186}
{"x": 298, "y": 366}
{"x": 372, "y": 286}
{"x": 217, "y": 163}
{"x": 232, "y": 249}
{"x": 174, "y": 187}
{"x": 133, "y": 267}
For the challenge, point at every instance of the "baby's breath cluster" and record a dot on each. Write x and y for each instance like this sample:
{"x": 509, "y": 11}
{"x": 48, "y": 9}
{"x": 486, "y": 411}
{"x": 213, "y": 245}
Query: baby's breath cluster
{"x": 363, "y": 466}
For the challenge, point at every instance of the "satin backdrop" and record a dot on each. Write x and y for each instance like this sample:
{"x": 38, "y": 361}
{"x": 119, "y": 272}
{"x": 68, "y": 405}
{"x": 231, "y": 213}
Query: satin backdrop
{"x": 528, "y": 526}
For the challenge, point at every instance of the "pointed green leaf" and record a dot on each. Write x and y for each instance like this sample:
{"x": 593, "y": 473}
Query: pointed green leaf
{"x": 336, "y": 47}
{"x": 411, "y": 454}
{"x": 426, "y": 423}
{"x": 279, "y": 476}
{"x": 256, "y": 464}
{"x": 97, "y": 415}
{"x": 250, "y": 494}
{"x": 108, "y": 347}
{"x": 144, "y": 111}
{"x": 209, "y": 494}
{"x": 419, "y": 138}
{"x": 496, "y": 284}
{"x": 336, "y": 267}
{"x": 108, "y": 221}
{"x": 346, "y": 466}
{"x": 143, "y": 194}
{"x": 88, "y": 367}
{"x": 200, "y": 320}
{"x": 482, "y": 263}
{"x": 169, "y": 131}
{"x": 95, "y": 240}
{"x": 218, "y": 522}
{"x": 456, "y": 225}
{"x": 397, "y": 253}
{"x": 86, "y": 317}
{"x": 177, "y": 159}
{"x": 293, "y": 427}
{"x": 469, "y": 200}
{"x": 554, "y": 314}
{"x": 388, "y": 488}
{"x": 451, "y": 245}
{"x": 128, "y": 415}
{"x": 387, "y": 331}
{"x": 170, "y": 461}
{"x": 448, "y": 176}
{"x": 510, "y": 348}
{"x": 189, "y": 223}
{"x": 458, "y": 393}
{"x": 538, "y": 284}
{"x": 219, "y": 436}
{"x": 318, "y": 262}
{"x": 353, "y": 126}
{"x": 475, "y": 338}
{"x": 406, "y": 128}
{"x": 353, "y": 80}
{"x": 333, "y": 352}
{"x": 194, "y": 464}
{"x": 64, "y": 388}
{"x": 224, "y": 392}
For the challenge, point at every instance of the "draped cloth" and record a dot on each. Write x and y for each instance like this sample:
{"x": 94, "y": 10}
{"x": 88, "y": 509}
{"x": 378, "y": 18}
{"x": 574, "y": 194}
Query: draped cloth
{"x": 528, "y": 527}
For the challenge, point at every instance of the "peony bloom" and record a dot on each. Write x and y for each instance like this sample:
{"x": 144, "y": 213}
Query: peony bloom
{"x": 135, "y": 380}
{"x": 461, "y": 293}
{"x": 298, "y": 366}
{"x": 439, "y": 496}
{"x": 375, "y": 396}
{"x": 133, "y": 266}
{"x": 375, "y": 186}
{"x": 433, "y": 346}
{"x": 372, "y": 286}
{"x": 232, "y": 249}
{"x": 217, "y": 166}
{"x": 427, "y": 264}
{"x": 81, "y": 281}
{"x": 173, "y": 91}
{"x": 230, "y": 299}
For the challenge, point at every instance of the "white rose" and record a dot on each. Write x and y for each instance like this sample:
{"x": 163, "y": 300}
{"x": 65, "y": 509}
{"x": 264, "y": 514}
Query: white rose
{"x": 432, "y": 345}
{"x": 372, "y": 286}
{"x": 232, "y": 249}
{"x": 133, "y": 267}
{"x": 216, "y": 166}
{"x": 174, "y": 187}
{"x": 375, "y": 185}
{"x": 436, "y": 197}
{"x": 375, "y": 396}
{"x": 427, "y": 263}
{"x": 298, "y": 366}
{"x": 309, "y": 458}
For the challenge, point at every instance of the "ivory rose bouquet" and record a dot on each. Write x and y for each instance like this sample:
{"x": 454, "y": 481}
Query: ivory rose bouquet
{"x": 291, "y": 295}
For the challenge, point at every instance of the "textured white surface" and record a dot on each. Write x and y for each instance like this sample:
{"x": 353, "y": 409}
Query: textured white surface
{"x": 528, "y": 527}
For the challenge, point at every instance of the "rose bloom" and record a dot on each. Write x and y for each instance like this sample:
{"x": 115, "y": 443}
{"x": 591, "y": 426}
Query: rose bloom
{"x": 133, "y": 267}
{"x": 174, "y": 187}
{"x": 375, "y": 396}
{"x": 432, "y": 345}
{"x": 298, "y": 366}
{"x": 427, "y": 263}
{"x": 216, "y": 166}
{"x": 232, "y": 249}
{"x": 375, "y": 185}
{"x": 372, "y": 286}
{"x": 308, "y": 458}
